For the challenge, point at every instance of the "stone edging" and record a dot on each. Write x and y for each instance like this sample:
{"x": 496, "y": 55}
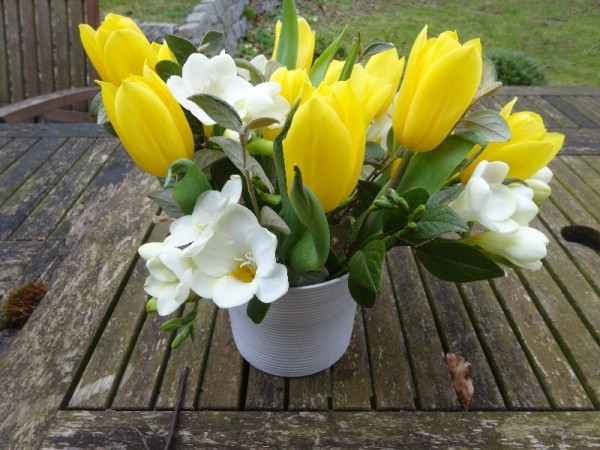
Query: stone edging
{"x": 226, "y": 16}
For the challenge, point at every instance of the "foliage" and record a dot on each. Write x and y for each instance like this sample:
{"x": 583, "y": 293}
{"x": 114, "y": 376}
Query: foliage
{"x": 515, "y": 68}
{"x": 20, "y": 304}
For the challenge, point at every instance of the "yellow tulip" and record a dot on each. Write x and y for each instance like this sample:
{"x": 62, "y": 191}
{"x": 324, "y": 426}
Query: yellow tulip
{"x": 306, "y": 43}
{"x": 441, "y": 79}
{"x": 119, "y": 48}
{"x": 387, "y": 67}
{"x": 529, "y": 149}
{"x": 327, "y": 142}
{"x": 149, "y": 121}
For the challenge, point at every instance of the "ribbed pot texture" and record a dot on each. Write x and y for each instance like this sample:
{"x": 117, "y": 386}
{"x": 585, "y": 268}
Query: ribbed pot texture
{"x": 305, "y": 331}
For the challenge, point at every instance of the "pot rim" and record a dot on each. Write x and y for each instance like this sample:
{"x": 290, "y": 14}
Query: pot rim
{"x": 320, "y": 285}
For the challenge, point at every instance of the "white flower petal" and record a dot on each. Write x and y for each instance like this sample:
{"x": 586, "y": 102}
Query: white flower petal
{"x": 273, "y": 286}
{"x": 230, "y": 292}
{"x": 150, "y": 250}
{"x": 217, "y": 258}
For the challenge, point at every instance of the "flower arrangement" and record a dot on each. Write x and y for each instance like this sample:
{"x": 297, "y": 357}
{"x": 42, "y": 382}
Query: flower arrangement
{"x": 290, "y": 171}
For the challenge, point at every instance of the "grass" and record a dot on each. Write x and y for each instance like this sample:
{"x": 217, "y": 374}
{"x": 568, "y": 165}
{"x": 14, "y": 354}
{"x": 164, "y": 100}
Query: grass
{"x": 563, "y": 36}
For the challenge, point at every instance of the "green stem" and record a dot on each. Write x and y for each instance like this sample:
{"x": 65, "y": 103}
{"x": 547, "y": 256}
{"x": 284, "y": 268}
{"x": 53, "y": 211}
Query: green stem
{"x": 244, "y": 133}
{"x": 397, "y": 178}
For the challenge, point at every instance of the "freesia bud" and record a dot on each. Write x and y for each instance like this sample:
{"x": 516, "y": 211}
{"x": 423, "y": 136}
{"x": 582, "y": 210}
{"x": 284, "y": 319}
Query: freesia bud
{"x": 148, "y": 121}
{"x": 525, "y": 248}
{"x": 439, "y": 84}
{"x": 529, "y": 149}
{"x": 541, "y": 191}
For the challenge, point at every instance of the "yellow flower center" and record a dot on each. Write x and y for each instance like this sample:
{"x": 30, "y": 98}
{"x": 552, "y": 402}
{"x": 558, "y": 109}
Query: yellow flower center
{"x": 246, "y": 269}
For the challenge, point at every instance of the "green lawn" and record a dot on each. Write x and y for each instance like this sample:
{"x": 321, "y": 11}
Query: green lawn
{"x": 563, "y": 36}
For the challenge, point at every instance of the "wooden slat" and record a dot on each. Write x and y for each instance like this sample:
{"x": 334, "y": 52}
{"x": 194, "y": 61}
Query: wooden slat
{"x": 433, "y": 386}
{"x": 30, "y": 45}
{"x": 528, "y": 104}
{"x": 13, "y": 258}
{"x": 311, "y": 393}
{"x": 264, "y": 392}
{"x": 245, "y": 430}
{"x": 555, "y": 373}
{"x": 574, "y": 114}
{"x": 390, "y": 370}
{"x": 4, "y": 79}
{"x": 585, "y": 171}
{"x": 581, "y": 104}
{"x": 517, "y": 380}
{"x": 13, "y": 42}
{"x": 350, "y": 387}
{"x": 13, "y": 150}
{"x": 577, "y": 188}
{"x": 41, "y": 130}
{"x": 39, "y": 223}
{"x": 559, "y": 118}
{"x": 21, "y": 202}
{"x": 191, "y": 354}
{"x": 60, "y": 31}
{"x": 223, "y": 377}
{"x": 79, "y": 299}
{"x": 592, "y": 106}
{"x": 573, "y": 337}
{"x": 460, "y": 338}
{"x": 27, "y": 165}
{"x": 43, "y": 33}
{"x": 77, "y": 55}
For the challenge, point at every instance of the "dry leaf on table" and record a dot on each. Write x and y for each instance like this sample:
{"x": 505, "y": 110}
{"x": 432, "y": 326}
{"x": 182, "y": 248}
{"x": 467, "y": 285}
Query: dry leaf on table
{"x": 460, "y": 369}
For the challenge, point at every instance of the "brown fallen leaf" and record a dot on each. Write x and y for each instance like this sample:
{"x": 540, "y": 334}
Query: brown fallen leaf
{"x": 460, "y": 369}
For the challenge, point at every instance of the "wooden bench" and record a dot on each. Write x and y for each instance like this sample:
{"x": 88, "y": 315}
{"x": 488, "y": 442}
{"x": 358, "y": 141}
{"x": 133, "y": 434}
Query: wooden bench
{"x": 44, "y": 68}
{"x": 91, "y": 369}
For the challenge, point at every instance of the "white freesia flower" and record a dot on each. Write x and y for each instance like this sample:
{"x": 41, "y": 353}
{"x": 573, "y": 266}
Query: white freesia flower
{"x": 238, "y": 262}
{"x": 218, "y": 76}
{"x": 379, "y": 128}
{"x": 209, "y": 207}
{"x": 526, "y": 207}
{"x": 259, "y": 61}
{"x": 525, "y": 247}
{"x": 486, "y": 200}
{"x": 170, "y": 277}
{"x": 215, "y": 76}
{"x": 539, "y": 182}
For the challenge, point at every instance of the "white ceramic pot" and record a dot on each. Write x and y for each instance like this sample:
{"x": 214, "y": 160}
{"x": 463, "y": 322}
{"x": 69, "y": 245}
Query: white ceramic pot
{"x": 304, "y": 332}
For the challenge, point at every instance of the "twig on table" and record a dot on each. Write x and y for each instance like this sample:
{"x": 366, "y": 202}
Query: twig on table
{"x": 175, "y": 416}
{"x": 139, "y": 432}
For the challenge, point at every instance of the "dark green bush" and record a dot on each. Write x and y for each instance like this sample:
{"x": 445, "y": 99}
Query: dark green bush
{"x": 516, "y": 68}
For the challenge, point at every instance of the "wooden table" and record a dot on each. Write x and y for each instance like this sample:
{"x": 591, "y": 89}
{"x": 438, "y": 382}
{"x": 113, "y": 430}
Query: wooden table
{"x": 90, "y": 369}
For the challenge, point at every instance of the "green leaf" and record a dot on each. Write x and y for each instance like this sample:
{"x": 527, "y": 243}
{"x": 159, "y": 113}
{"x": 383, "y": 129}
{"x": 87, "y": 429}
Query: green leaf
{"x": 447, "y": 195}
{"x": 96, "y": 104}
{"x": 366, "y": 264}
{"x": 321, "y": 64}
{"x": 430, "y": 170}
{"x": 415, "y": 197}
{"x": 219, "y": 110}
{"x": 151, "y": 306}
{"x": 374, "y": 153}
{"x": 311, "y": 215}
{"x": 438, "y": 219}
{"x": 287, "y": 47}
{"x": 257, "y": 310}
{"x": 181, "y": 48}
{"x": 270, "y": 219}
{"x": 233, "y": 150}
{"x": 361, "y": 295}
{"x": 489, "y": 84}
{"x": 212, "y": 42}
{"x": 191, "y": 182}
{"x": 256, "y": 77}
{"x": 187, "y": 330}
{"x": 457, "y": 262}
{"x": 167, "y": 68}
{"x": 261, "y": 122}
{"x": 485, "y": 126}
{"x": 205, "y": 157}
{"x": 376, "y": 47}
{"x": 304, "y": 256}
{"x": 350, "y": 60}
{"x": 367, "y": 192}
{"x": 165, "y": 200}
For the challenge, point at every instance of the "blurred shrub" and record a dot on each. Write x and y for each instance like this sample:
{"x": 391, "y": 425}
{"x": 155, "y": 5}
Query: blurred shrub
{"x": 516, "y": 68}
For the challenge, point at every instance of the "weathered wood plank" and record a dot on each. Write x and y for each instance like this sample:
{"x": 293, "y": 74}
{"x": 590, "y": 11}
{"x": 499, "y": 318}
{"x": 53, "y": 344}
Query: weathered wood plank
{"x": 13, "y": 150}
{"x": 516, "y": 379}
{"x": 14, "y": 256}
{"x": 264, "y": 392}
{"x": 140, "y": 382}
{"x": 26, "y": 165}
{"x": 311, "y": 393}
{"x": 580, "y": 141}
{"x": 439, "y": 430}
{"x": 592, "y": 106}
{"x": 79, "y": 299}
{"x": 559, "y": 119}
{"x": 584, "y": 170}
{"x": 350, "y": 387}
{"x": 390, "y": 370}
{"x": 459, "y": 337}
{"x": 528, "y": 104}
{"x": 16, "y": 208}
{"x": 223, "y": 376}
{"x": 192, "y": 354}
{"x": 552, "y": 90}
{"x": 554, "y": 371}
{"x": 572, "y": 335}
{"x": 41, "y": 130}
{"x": 581, "y": 104}
{"x": 39, "y": 224}
{"x": 578, "y": 190}
{"x": 574, "y": 114}
{"x": 432, "y": 383}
